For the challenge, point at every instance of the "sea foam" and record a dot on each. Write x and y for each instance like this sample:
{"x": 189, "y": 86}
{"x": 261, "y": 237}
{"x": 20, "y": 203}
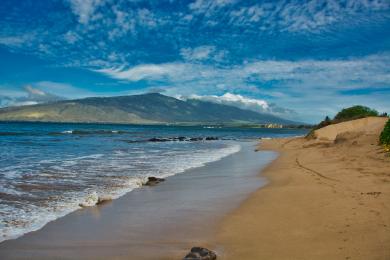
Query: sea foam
{"x": 124, "y": 171}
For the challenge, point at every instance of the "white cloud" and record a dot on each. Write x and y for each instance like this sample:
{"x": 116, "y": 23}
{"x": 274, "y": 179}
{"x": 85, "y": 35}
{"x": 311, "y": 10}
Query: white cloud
{"x": 299, "y": 84}
{"x": 292, "y": 16}
{"x": 146, "y": 71}
{"x": 240, "y": 101}
{"x": 247, "y": 15}
{"x": 316, "y": 14}
{"x": 29, "y": 95}
{"x": 71, "y": 37}
{"x": 17, "y": 40}
{"x": 236, "y": 100}
{"x": 369, "y": 71}
{"x": 207, "y": 7}
{"x": 34, "y": 91}
{"x": 84, "y": 9}
{"x": 62, "y": 89}
{"x": 198, "y": 53}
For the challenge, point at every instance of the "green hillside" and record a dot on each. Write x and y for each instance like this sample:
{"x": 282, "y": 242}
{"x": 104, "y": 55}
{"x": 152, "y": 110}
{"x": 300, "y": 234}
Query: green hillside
{"x": 137, "y": 109}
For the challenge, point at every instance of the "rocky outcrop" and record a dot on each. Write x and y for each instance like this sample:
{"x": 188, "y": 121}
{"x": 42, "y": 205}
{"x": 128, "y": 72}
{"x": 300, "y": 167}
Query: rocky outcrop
{"x": 200, "y": 253}
{"x": 183, "y": 138}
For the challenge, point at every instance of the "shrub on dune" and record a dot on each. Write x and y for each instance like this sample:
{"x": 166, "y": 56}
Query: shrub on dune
{"x": 384, "y": 138}
{"x": 355, "y": 112}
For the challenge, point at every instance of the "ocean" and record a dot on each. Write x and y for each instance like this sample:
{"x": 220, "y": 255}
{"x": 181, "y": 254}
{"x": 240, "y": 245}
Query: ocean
{"x": 48, "y": 170}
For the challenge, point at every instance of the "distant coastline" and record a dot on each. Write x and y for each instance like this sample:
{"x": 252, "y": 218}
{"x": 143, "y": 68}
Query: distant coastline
{"x": 189, "y": 124}
{"x": 154, "y": 109}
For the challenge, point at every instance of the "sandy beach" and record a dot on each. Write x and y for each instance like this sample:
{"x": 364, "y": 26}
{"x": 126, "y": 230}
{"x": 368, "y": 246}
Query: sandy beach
{"x": 328, "y": 198}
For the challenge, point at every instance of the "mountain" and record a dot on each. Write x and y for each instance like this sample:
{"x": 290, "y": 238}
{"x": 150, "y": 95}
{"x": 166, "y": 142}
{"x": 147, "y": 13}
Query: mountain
{"x": 150, "y": 108}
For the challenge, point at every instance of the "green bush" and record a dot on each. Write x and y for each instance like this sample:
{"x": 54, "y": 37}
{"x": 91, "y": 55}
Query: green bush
{"x": 355, "y": 112}
{"x": 385, "y": 135}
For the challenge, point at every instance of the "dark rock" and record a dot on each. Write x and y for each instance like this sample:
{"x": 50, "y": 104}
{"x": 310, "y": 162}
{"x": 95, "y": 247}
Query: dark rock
{"x": 153, "y": 181}
{"x": 155, "y": 139}
{"x": 211, "y": 138}
{"x": 194, "y": 139}
{"x": 200, "y": 253}
{"x": 102, "y": 201}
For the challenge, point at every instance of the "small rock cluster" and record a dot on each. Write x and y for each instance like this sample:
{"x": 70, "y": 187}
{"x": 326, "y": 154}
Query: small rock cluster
{"x": 183, "y": 138}
{"x": 200, "y": 253}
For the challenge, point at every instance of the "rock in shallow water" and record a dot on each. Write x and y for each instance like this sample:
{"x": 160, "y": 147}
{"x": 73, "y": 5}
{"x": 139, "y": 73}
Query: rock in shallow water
{"x": 153, "y": 181}
{"x": 200, "y": 253}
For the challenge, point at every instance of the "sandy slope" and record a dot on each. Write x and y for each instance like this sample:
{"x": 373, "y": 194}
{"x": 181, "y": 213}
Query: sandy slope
{"x": 326, "y": 200}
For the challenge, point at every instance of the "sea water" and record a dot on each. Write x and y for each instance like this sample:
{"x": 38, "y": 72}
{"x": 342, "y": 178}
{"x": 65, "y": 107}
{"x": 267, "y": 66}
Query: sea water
{"x": 48, "y": 170}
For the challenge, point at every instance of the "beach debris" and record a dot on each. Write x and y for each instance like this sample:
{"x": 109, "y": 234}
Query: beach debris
{"x": 200, "y": 253}
{"x": 152, "y": 181}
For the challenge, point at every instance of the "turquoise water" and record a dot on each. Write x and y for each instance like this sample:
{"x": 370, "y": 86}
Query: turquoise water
{"x": 48, "y": 170}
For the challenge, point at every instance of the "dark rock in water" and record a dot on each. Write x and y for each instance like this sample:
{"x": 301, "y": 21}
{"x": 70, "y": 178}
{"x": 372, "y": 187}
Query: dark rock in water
{"x": 194, "y": 139}
{"x": 181, "y": 139}
{"x": 153, "y": 181}
{"x": 103, "y": 200}
{"x": 200, "y": 253}
{"x": 154, "y": 139}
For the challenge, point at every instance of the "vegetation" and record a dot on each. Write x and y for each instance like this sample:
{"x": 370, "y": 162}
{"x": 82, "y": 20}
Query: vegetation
{"x": 384, "y": 138}
{"x": 355, "y": 112}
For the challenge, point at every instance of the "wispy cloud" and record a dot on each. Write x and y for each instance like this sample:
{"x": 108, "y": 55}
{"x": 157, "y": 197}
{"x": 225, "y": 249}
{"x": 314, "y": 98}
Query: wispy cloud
{"x": 290, "y": 52}
{"x": 337, "y": 74}
{"x": 146, "y": 71}
{"x": 292, "y": 83}
{"x": 85, "y": 9}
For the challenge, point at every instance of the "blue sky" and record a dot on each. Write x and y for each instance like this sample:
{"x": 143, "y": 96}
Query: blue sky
{"x": 297, "y": 59}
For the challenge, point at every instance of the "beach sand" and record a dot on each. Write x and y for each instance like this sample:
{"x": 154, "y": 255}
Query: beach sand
{"x": 328, "y": 198}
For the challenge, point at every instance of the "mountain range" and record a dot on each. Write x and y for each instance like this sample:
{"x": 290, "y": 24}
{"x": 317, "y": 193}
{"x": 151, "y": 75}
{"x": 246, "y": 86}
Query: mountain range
{"x": 151, "y": 108}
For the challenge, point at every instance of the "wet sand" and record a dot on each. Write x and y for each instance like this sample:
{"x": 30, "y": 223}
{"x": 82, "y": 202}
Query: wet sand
{"x": 325, "y": 200}
{"x": 160, "y": 222}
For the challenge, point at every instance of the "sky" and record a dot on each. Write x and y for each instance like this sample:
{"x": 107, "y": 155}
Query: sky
{"x": 301, "y": 60}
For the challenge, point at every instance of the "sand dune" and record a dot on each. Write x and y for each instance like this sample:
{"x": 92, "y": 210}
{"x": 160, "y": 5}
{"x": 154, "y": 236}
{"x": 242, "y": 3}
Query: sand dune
{"x": 328, "y": 199}
{"x": 368, "y": 125}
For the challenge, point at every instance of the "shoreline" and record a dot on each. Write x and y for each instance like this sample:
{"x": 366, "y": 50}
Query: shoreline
{"x": 323, "y": 201}
{"x": 186, "y": 206}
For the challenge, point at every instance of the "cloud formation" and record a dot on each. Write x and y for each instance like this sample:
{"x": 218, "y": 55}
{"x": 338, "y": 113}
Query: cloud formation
{"x": 253, "y": 104}
{"x": 27, "y": 96}
{"x": 85, "y": 9}
{"x": 303, "y": 54}
{"x": 338, "y": 74}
